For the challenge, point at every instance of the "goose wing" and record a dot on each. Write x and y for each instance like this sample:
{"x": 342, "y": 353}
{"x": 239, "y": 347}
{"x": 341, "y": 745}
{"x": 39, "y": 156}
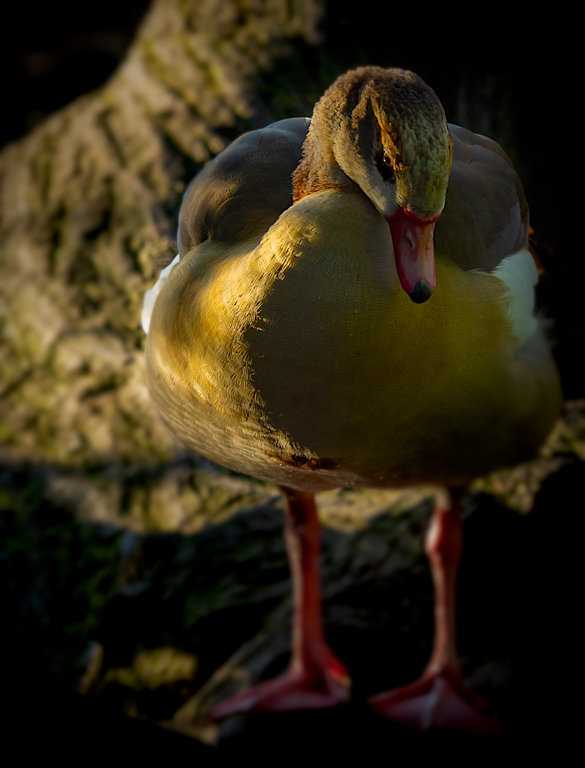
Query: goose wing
{"x": 486, "y": 215}
{"x": 242, "y": 192}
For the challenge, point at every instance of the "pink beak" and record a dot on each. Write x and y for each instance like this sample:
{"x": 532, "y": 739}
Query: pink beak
{"x": 414, "y": 253}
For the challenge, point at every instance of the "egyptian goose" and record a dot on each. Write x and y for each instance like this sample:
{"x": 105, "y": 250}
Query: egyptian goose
{"x": 353, "y": 305}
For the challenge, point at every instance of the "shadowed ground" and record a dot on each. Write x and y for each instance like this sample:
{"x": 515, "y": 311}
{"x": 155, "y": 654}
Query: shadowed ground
{"x": 138, "y": 584}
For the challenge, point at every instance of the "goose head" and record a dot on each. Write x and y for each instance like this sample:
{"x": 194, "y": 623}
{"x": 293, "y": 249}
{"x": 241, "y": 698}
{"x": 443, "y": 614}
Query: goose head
{"x": 385, "y": 131}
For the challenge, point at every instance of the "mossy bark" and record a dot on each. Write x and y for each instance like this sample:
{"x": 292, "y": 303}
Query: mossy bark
{"x": 88, "y": 205}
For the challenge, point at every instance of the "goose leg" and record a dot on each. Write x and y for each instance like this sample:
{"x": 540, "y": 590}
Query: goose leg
{"x": 316, "y": 678}
{"x": 440, "y": 698}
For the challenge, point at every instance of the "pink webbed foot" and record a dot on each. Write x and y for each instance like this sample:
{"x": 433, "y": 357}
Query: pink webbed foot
{"x": 438, "y": 700}
{"x": 297, "y": 689}
{"x": 317, "y": 679}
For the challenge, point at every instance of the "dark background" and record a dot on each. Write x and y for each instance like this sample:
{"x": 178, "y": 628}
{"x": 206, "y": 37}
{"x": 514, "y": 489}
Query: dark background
{"x": 507, "y": 80}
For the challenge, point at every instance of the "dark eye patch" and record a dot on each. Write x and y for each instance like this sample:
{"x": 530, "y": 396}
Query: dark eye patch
{"x": 383, "y": 164}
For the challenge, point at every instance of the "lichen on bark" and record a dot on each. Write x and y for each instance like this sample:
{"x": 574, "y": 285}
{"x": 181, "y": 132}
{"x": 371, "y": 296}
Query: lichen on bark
{"x": 88, "y": 205}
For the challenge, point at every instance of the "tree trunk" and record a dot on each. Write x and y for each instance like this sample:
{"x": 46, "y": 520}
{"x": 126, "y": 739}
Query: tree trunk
{"x": 88, "y": 211}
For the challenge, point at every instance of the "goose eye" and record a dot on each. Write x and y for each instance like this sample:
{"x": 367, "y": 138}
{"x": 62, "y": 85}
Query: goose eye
{"x": 384, "y": 164}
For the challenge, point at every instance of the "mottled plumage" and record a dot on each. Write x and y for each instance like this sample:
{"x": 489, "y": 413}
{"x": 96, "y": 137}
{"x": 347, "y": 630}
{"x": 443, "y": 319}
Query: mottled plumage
{"x": 354, "y": 306}
{"x": 283, "y": 346}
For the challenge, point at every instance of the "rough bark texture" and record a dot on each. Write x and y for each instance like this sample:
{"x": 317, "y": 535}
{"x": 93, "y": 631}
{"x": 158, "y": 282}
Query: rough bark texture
{"x": 162, "y": 625}
{"x": 88, "y": 205}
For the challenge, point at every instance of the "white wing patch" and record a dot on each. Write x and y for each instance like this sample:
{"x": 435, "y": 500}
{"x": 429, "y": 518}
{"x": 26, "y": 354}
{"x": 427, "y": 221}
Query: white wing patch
{"x": 520, "y": 275}
{"x": 150, "y": 296}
